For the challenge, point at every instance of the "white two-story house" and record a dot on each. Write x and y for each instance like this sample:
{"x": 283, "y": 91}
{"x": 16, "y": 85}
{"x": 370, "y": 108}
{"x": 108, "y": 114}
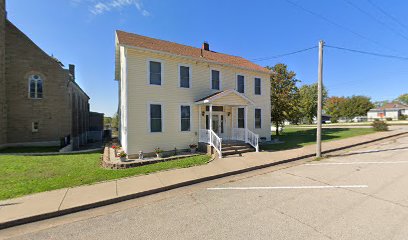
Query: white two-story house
{"x": 172, "y": 95}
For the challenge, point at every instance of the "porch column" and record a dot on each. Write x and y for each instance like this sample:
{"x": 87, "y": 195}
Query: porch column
{"x": 210, "y": 119}
{"x": 246, "y": 123}
{"x": 199, "y": 123}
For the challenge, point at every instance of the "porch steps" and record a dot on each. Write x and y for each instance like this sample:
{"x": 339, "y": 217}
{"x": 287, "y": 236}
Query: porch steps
{"x": 235, "y": 148}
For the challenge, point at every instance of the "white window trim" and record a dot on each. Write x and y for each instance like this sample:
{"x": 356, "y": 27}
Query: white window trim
{"x": 190, "y": 75}
{"x": 149, "y": 130}
{"x": 161, "y": 72}
{"x": 236, "y": 82}
{"x": 36, "y": 91}
{"x": 191, "y": 117}
{"x": 255, "y": 118}
{"x": 255, "y": 86}
{"x": 219, "y": 70}
{"x": 32, "y": 127}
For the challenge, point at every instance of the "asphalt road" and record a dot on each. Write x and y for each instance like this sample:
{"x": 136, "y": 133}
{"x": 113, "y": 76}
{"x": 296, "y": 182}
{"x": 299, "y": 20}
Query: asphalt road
{"x": 362, "y": 194}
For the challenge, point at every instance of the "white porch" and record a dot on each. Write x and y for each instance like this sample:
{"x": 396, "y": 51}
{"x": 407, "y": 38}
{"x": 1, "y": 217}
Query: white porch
{"x": 223, "y": 117}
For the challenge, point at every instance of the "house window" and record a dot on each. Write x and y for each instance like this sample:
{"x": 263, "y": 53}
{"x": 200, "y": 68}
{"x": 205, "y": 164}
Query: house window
{"x": 257, "y": 86}
{"x": 240, "y": 84}
{"x": 258, "y": 118}
{"x": 35, "y": 86}
{"x": 155, "y": 73}
{"x": 184, "y": 77}
{"x": 241, "y": 117}
{"x": 215, "y": 79}
{"x": 34, "y": 126}
{"x": 155, "y": 118}
{"x": 185, "y": 118}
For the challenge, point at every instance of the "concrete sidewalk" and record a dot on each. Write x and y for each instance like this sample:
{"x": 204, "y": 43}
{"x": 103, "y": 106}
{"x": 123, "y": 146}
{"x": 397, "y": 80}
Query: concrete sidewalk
{"x": 64, "y": 201}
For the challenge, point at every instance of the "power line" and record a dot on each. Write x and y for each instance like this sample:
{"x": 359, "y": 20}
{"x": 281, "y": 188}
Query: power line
{"x": 387, "y": 14}
{"x": 337, "y": 24}
{"x": 369, "y": 53}
{"x": 283, "y": 55}
{"x": 376, "y": 19}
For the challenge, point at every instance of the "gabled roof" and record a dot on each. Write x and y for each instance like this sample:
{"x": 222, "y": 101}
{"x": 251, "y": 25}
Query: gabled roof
{"x": 134, "y": 40}
{"x": 394, "y": 105}
{"x": 212, "y": 97}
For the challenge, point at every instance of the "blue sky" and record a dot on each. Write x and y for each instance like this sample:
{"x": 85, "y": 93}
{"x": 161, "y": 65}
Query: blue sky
{"x": 82, "y": 32}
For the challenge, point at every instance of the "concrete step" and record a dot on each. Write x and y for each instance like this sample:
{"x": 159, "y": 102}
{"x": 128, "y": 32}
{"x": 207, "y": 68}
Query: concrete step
{"x": 237, "y": 151}
{"x": 235, "y": 147}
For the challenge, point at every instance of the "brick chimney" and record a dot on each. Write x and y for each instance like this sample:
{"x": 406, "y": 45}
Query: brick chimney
{"x": 206, "y": 46}
{"x": 72, "y": 71}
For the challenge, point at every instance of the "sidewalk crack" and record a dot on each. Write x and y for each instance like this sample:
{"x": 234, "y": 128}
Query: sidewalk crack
{"x": 63, "y": 198}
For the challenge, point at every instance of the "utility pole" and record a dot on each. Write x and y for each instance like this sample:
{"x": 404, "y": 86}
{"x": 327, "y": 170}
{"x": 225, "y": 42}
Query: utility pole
{"x": 319, "y": 101}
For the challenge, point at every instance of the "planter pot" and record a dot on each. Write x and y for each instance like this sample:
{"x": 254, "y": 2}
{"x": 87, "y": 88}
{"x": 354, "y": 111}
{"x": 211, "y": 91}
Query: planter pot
{"x": 193, "y": 150}
{"x": 123, "y": 159}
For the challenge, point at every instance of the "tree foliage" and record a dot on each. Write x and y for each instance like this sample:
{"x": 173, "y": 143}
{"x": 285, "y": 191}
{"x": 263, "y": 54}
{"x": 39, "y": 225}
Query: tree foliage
{"x": 403, "y": 98}
{"x": 284, "y": 95}
{"x": 348, "y": 108}
{"x": 308, "y": 101}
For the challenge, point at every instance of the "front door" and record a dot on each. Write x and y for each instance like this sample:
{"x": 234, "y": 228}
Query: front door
{"x": 218, "y": 124}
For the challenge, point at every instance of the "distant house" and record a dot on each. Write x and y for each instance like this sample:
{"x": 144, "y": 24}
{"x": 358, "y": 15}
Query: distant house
{"x": 40, "y": 102}
{"x": 390, "y": 110}
{"x": 173, "y": 95}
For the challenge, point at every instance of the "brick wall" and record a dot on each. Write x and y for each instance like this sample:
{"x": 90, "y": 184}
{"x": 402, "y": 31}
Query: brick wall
{"x": 3, "y": 109}
{"x": 52, "y": 112}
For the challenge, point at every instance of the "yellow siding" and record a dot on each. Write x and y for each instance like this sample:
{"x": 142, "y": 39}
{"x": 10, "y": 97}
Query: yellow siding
{"x": 140, "y": 94}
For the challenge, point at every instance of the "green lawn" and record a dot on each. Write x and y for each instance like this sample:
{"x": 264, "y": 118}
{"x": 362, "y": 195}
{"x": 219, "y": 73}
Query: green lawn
{"x": 29, "y": 149}
{"x": 22, "y": 175}
{"x": 299, "y": 137}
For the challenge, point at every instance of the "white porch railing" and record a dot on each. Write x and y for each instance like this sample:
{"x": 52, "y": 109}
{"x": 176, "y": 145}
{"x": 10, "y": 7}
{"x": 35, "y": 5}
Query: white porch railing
{"x": 242, "y": 134}
{"x": 253, "y": 140}
{"x": 210, "y": 137}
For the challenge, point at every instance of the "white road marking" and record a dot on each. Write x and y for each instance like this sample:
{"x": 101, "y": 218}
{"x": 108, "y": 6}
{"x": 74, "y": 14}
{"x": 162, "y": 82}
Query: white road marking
{"x": 288, "y": 187}
{"x": 354, "y": 163}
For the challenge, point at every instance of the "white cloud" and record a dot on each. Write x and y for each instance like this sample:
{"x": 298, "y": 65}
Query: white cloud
{"x": 102, "y": 6}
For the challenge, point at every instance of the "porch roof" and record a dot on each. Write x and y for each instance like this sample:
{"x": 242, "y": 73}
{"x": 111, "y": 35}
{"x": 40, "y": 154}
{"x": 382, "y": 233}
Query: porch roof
{"x": 227, "y": 97}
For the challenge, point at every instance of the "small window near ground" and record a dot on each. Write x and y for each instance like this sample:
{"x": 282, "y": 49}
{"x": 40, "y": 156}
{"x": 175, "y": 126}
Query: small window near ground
{"x": 215, "y": 79}
{"x": 257, "y": 86}
{"x": 155, "y": 69}
{"x": 241, "y": 117}
{"x": 258, "y": 118}
{"x": 240, "y": 84}
{"x": 35, "y": 86}
{"x": 34, "y": 126}
{"x": 155, "y": 118}
{"x": 184, "y": 77}
{"x": 185, "y": 118}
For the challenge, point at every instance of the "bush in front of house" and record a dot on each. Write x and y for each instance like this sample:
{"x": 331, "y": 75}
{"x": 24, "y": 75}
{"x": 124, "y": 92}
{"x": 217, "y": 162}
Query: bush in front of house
{"x": 388, "y": 119}
{"x": 403, "y": 117}
{"x": 380, "y": 126}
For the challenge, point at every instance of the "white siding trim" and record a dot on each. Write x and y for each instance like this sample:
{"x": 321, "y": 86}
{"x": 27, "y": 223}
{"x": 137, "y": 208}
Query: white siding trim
{"x": 148, "y": 117}
{"x": 161, "y": 73}
{"x": 190, "y": 75}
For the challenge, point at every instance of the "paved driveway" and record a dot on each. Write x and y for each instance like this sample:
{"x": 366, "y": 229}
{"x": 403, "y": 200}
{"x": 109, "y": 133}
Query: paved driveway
{"x": 360, "y": 195}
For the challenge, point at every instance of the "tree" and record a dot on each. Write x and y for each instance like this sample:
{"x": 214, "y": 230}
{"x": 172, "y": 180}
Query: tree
{"x": 308, "y": 101}
{"x": 284, "y": 94}
{"x": 115, "y": 121}
{"x": 335, "y": 107}
{"x": 403, "y": 98}
{"x": 357, "y": 106}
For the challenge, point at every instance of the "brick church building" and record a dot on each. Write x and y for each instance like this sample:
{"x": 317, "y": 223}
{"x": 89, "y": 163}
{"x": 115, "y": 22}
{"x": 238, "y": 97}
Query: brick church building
{"x": 40, "y": 102}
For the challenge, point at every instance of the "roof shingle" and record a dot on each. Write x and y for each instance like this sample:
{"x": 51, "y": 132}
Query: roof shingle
{"x": 131, "y": 39}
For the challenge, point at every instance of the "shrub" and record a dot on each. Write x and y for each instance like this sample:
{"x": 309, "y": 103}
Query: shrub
{"x": 403, "y": 117}
{"x": 158, "y": 150}
{"x": 380, "y": 126}
{"x": 388, "y": 119}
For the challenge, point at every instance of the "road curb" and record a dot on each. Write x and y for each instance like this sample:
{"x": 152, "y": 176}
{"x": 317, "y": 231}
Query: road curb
{"x": 49, "y": 215}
